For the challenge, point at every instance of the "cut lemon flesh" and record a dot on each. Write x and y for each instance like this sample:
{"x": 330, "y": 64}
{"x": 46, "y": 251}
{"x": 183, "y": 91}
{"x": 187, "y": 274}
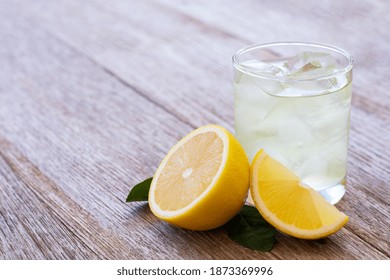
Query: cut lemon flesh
{"x": 288, "y": 205}
{"x": 189, "y": 172}
{"x": 203, "y": 180}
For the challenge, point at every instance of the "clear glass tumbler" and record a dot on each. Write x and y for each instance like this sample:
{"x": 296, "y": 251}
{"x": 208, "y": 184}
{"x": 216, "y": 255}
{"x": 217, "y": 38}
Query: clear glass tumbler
{"x": 293, "y": 100}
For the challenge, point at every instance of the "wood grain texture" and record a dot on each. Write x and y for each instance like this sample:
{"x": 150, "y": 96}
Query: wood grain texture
{"x": 94, "y": 95}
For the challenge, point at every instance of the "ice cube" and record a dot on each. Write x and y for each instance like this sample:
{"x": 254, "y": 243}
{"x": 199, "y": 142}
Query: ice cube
{"x": 262, "y": 74}
{"x": 325, "y": 168}
{"x": 311, "y": 64}
{"x": 258, "y": 67}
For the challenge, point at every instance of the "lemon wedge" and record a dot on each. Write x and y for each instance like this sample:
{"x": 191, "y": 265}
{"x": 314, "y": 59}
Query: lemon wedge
{"x": 288, "y": 205}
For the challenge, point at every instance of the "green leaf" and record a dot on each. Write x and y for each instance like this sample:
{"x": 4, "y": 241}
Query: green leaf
{"x": 140, "y": 192}
{"x": 249, "y": 229}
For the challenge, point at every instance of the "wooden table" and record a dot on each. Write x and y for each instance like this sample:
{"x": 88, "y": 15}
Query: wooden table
{"x": 94, "y": 93}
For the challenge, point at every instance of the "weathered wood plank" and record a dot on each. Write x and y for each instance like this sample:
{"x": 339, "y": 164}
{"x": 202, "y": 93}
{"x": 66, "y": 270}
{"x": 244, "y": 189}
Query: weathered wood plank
{"x": 93, "y": 108}
{"x": 186, "y": 65}
{"x": 29, "y": 229}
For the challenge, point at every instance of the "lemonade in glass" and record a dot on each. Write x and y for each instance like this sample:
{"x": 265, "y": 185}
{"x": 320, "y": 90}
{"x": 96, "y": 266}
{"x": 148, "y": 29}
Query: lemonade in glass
{"x": 293, "y": 100}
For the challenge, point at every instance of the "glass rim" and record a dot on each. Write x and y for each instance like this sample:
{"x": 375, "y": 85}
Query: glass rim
{"x": 244, "y": 69}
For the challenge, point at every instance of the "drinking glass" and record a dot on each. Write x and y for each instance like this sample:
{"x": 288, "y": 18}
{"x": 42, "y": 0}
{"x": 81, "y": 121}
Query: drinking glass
{"x": 293, "y": 100}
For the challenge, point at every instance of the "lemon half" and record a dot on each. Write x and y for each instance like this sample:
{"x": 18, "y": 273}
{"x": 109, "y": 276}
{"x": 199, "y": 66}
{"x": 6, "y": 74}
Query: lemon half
{"x": 203, "y": 180}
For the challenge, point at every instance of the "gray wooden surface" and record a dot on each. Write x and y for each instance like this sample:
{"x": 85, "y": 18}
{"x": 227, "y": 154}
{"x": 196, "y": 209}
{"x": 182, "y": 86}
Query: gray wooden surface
{"x": 94, "y": 93}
